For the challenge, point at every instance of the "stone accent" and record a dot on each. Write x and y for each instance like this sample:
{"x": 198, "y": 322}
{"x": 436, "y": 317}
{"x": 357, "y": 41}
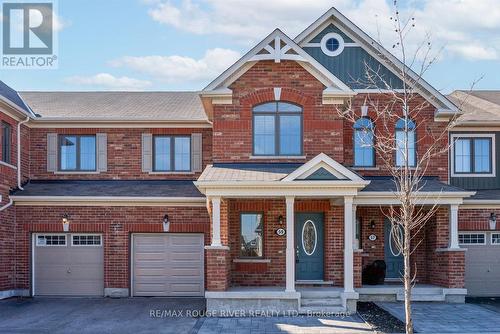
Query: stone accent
{"x": 116, "y": 292}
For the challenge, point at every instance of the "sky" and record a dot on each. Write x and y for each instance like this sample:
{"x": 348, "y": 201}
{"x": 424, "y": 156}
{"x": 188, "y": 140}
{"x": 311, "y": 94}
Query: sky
{"x": 176, "y": 45}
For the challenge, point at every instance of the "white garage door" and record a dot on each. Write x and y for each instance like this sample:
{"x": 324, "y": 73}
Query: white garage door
{"x": 482, "y": 263}
{"x": 168, "y": 265}
{"x": 68, "y": 265}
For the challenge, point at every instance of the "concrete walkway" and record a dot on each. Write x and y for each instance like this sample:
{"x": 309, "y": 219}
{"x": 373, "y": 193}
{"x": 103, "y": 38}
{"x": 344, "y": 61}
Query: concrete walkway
{"x": 448, "y": 318}
{"x": 290, "y": 325}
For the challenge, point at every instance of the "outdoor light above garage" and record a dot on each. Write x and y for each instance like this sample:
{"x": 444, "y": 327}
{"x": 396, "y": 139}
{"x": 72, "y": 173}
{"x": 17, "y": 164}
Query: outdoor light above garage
{"x": 493, "y": 221}
{"x": 166, "y": 223}
{"x": 65, "y": 222}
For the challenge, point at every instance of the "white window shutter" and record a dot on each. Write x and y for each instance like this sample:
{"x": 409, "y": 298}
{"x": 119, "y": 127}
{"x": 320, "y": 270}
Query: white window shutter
{"x": 102, "y": 152}
{"x": 51, "y": 152}
{"x": 196, "y": 152}
{"x": 147, "y": 152}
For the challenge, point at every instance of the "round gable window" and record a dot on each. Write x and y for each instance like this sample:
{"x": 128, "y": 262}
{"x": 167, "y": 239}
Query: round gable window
{"x": 332, "y": 44}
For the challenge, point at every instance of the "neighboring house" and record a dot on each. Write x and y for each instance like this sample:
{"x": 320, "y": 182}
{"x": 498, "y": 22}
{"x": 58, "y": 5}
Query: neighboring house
{"x": 474, "y": 159}
{"x": 245, "y": 193}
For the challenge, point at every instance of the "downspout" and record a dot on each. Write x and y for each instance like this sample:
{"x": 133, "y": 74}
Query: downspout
{"x": 19, "y": 169}
{"x": 7, "y": 205}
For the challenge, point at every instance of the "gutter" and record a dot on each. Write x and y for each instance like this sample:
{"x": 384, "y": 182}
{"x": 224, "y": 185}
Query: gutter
{"x": 19, "y": 169}
{"x": 7, "y": 205}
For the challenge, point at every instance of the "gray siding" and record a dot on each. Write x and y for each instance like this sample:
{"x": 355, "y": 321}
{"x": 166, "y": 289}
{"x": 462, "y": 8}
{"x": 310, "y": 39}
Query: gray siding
{"x": 479, "y": 183}
{"x": 329, "y": 29}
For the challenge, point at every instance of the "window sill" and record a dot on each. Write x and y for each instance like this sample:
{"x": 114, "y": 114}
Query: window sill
{"x": 76, "y": 172}
{"x": 252, "y": 260}
{"x": 278, "y": 157}
{"x": 365, "y": 168}
{"x": 172, "y": 173}
{"x": 472, "y": 175}
{"x": 7, "y": 165}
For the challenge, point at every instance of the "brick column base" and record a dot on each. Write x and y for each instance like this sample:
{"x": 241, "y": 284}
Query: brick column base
{"x": 448, "y": 269}
{"x": 358, "y": 267}
{"x": 218, "y": 269}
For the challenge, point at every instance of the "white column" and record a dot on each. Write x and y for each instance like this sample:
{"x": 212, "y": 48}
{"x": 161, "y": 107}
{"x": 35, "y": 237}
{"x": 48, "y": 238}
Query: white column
{"x": 355, "y": 240}
{"x": 290, "y": 245}
{"x": 454, "y": 226}
{"x": 216, "y": 221}
{"x": 348, "y": 250}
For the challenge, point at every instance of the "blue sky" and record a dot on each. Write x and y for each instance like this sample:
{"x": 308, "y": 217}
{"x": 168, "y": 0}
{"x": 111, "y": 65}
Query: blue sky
{"x": 182, "y": 45}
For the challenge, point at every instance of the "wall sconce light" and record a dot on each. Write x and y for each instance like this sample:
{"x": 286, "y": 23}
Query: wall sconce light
{"x": 280, "y": 220}
{"x": 493, "y": 221}
{"x": 166, "y": 223}
{"x": 65, "y": 222}
{"x": 372, "y": 224}
{"x": 364, "y": 111}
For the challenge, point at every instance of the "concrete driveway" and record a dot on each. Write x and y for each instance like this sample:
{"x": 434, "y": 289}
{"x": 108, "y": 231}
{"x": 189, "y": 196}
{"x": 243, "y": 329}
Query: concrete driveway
{"x": 448, "y": 318}
{"x": 492, "y": 303}
{"x": 98, "y": 315}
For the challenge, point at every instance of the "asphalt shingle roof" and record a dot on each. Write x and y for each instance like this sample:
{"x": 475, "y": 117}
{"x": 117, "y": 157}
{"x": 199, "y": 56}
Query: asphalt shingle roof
{"x": 105, "y": 188}
{"x": 428, "y": 184}
{"x": 477, "y": 106}
{"x": 167, "y": 106}
{"x": 489, "y": 194}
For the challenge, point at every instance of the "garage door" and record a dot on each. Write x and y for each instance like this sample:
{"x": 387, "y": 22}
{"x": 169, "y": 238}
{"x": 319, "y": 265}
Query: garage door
{"x": 168, "y": 265}
{"x": 68, "y": 265}
{"x": 482, "y": 263}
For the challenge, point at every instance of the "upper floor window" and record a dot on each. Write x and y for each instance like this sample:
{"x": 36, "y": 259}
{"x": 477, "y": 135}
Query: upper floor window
{"x": 6, "y": 142}
{"x": 277, "y": 129}
{"x": 364, "y": 152}
{"x": 77, "y": 153}
{"x": 473, "y": 154}
{"x": 404, "y": 127}
{"x": 171, "y": 153}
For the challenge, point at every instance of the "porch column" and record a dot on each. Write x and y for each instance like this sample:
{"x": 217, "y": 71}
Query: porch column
{"x": 453, "y": 227}
{"x": 348, "y": 249}
{"x": 216, "y": 221}
{"x": 290, "y": 245}
{"x": 355, "y": 240}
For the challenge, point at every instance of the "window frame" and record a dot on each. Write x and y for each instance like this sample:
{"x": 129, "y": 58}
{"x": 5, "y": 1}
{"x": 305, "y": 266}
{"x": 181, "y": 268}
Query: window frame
{"x": 491, "y": 239}
{"x": 472, "y": 137}
{"x": 51, "y": 234}
{"x": 277, "y": 133}
{"x": 414, "y": 130}
{"x": 6, "y": 143}
{"x": 240, "y": 256}
{"x": 472, "y": 233}
{"x": 374, "y": 164}
{"x": 172, "y": 155}
{"x": 89, "y": 235}
{"x": 78, "y": 157}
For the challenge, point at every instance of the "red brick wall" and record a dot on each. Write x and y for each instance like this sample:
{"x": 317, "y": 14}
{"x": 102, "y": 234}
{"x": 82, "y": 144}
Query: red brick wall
{"x": 116, "y": 223}
{"x": 124, "y": 153}
{"x": 476, "y": 219}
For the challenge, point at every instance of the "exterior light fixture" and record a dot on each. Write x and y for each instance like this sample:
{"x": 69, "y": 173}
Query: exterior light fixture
{"x": 372, "y": 224}
{"x": 166, "y": 224}
{"x": 364, "y": 111}
{"x": 65, "y": 222}
{"x": 493, "y": 221}
{"x": 280, "y": 220}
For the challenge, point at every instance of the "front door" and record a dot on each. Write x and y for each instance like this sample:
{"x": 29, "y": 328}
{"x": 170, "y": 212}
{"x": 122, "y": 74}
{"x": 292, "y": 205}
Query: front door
{"x": 393, "y": 257}
{"x": 309, "y": 246}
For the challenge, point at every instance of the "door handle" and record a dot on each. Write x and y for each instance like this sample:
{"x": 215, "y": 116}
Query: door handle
{"x": 297, "y": 254}
{"x": 68, "y": 271}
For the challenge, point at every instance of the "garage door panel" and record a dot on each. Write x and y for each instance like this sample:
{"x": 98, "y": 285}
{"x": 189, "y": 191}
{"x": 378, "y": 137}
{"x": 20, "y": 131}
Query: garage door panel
{"x": 177, "y": 269}
{"x": 482, "y": 270}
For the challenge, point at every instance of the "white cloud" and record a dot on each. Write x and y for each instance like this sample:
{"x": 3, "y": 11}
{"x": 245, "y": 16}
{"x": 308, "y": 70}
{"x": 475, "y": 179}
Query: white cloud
{"x": 109, "y": 82}
{"x": 466, "y": 28}
{"x": 175, "y": 69}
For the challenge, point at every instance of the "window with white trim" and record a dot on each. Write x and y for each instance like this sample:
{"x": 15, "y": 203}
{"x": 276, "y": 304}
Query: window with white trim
{"x": 473, "y": 155}
{"x": 86, "y": 240}
{"x": 495, "y": 238}
{"x": 472, "y": 238}
{"x": 51, "y": 240}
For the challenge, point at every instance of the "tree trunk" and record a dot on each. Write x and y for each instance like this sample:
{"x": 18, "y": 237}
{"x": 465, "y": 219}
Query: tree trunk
{"x": 407, "y": 280}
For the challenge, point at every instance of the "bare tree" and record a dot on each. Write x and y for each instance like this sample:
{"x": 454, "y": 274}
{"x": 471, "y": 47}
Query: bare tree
{"x": 404, "y": 107}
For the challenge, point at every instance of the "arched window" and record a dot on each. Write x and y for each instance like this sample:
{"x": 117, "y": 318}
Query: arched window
{"x": 277, "y": 129}
{"x": 401, "y": 125}
{"x": 364, "y": 153}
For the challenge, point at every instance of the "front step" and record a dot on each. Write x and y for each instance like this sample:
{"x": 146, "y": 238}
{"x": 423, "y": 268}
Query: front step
{"x": 312, "y": 310}
{"x": 319, "y": 293}
{"x": 321, "y": 302}
{"x": 429, "y": 295}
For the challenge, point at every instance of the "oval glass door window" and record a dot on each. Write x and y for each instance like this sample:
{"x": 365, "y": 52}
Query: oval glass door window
{"x": 309, "y": 237}
{"x": 395, "y": 251}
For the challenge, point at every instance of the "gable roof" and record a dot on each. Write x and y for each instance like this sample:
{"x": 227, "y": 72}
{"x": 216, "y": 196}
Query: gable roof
{"x": 378, "y": 52}
{"x": 277, "y": 46}
{"x": 478, "y": 107}
{"x": 10, "y": 96}
{"x": 339, "y": 171}
{"x": 117, "y": 106}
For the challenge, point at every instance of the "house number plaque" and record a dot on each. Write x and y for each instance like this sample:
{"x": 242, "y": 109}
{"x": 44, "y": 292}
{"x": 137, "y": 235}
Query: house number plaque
{"x": 281, "y": 232}
{"x": 372, "y": 237}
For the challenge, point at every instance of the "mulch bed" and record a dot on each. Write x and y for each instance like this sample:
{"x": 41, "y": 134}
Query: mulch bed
{"x": 381, "y": 320}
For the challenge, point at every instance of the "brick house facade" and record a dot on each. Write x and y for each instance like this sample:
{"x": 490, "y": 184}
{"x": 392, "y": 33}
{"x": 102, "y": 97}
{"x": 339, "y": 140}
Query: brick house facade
{"x": 172, "y": 231}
